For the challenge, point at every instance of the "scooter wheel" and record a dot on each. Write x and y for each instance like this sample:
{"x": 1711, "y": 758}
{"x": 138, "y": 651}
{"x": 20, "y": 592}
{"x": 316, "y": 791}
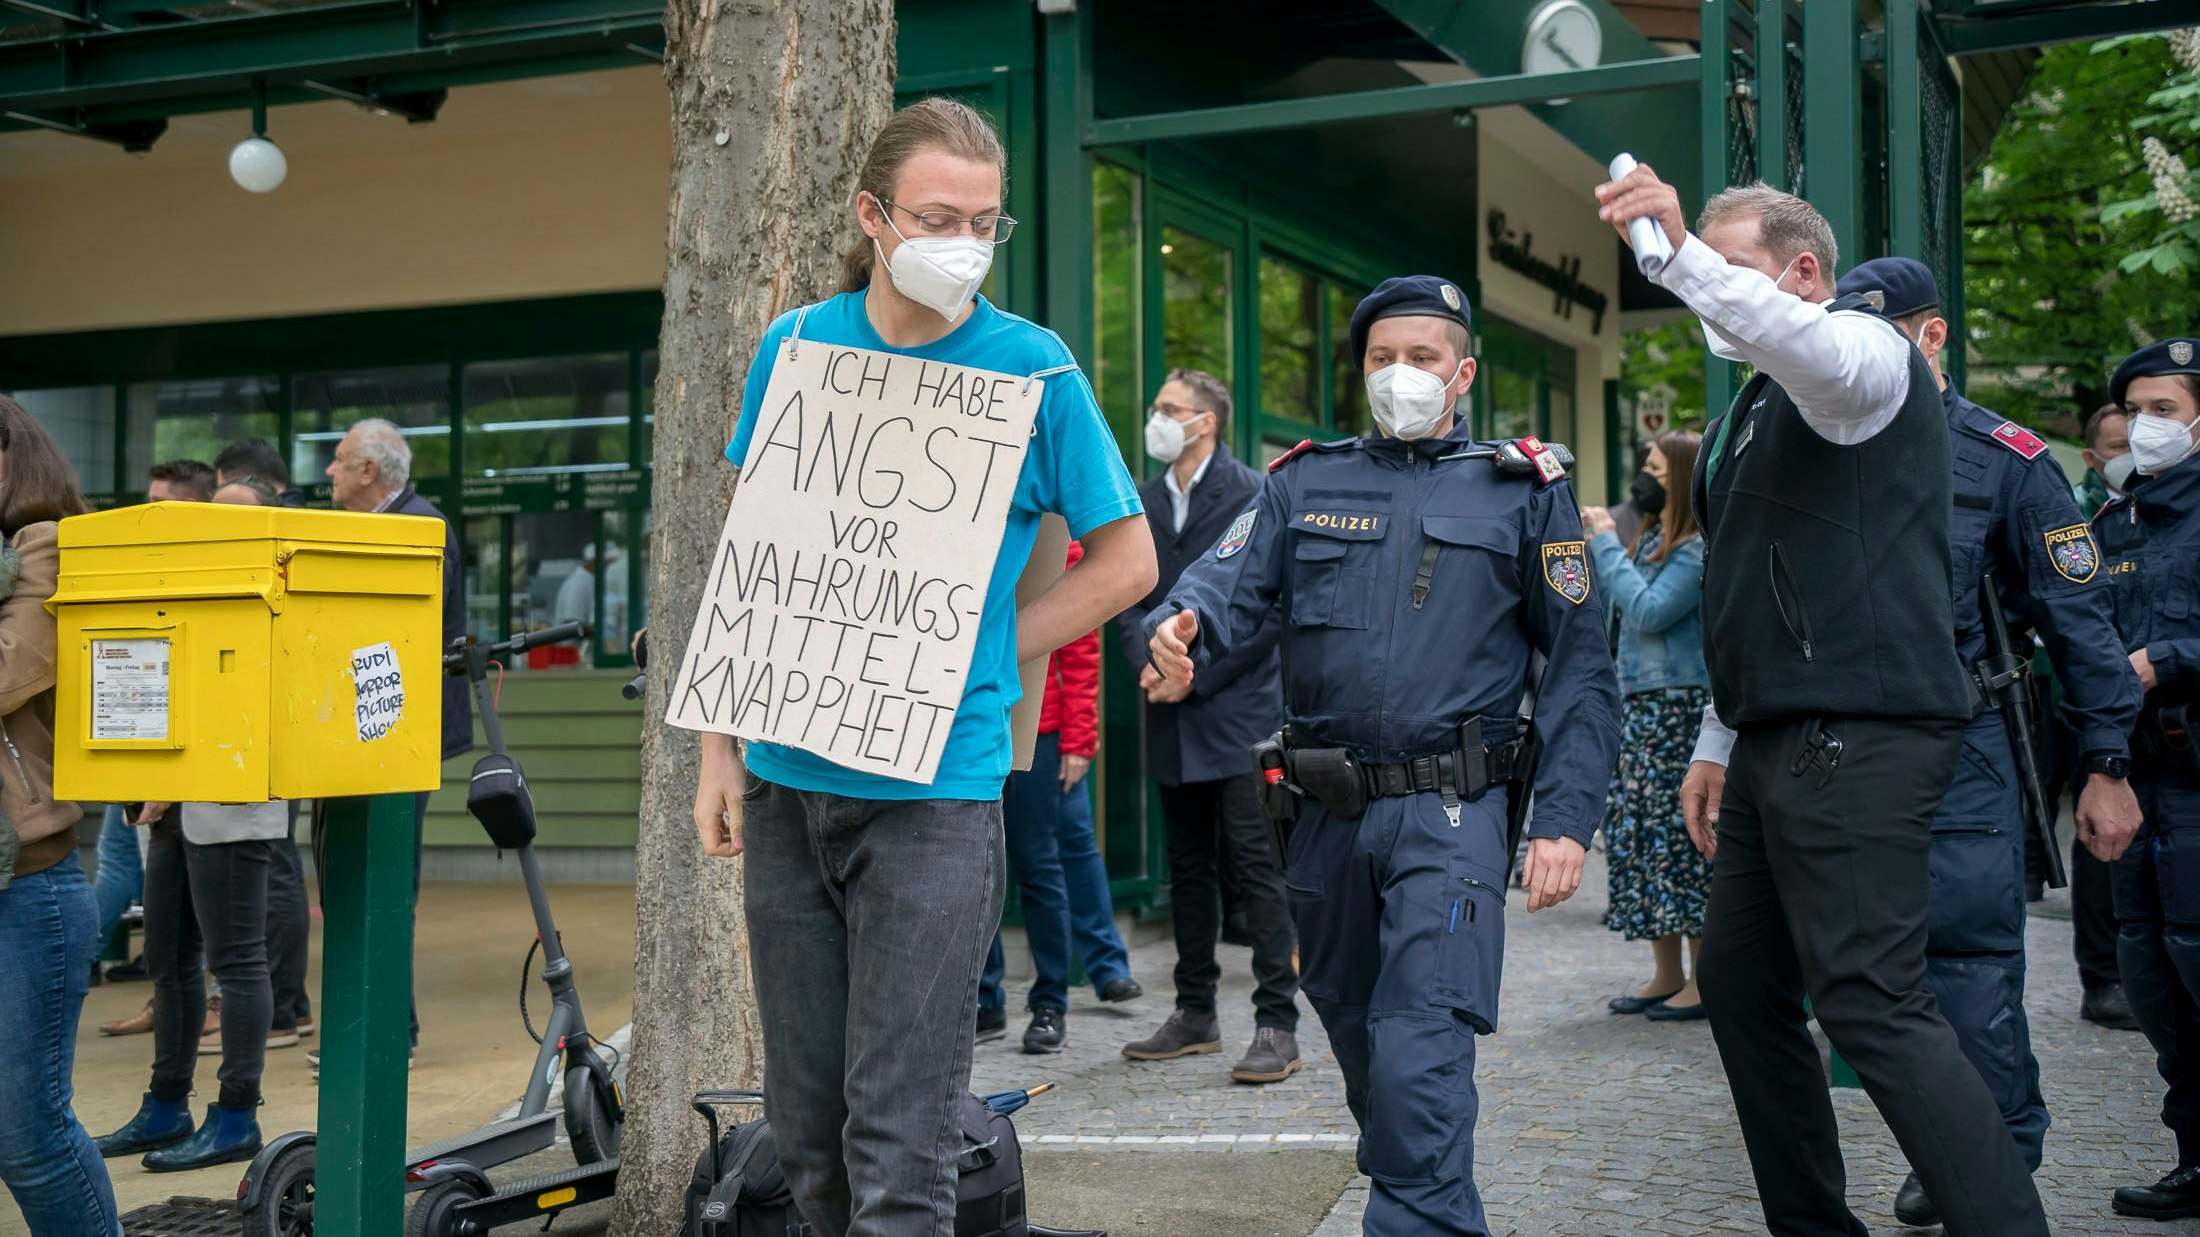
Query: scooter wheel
{"x": 435, "y": 1212}
{"x": 591, "y": 1116}
{"x": 285, "y": 1206}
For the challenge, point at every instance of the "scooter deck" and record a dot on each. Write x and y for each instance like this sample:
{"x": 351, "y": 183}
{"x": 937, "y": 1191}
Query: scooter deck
{"x": 497, "y": 1143}
{"x": 538, "y": 1196}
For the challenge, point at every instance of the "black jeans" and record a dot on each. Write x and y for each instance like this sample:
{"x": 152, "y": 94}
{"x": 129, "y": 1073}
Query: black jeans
{"x": 2092, "y": 919}
{"x": 1819, "y": 888}
{"x": 215, "y": 898}
{"x": 868, "y": 921}
{"x": 1211, "y": 824}
{"x": 288, "y": 929}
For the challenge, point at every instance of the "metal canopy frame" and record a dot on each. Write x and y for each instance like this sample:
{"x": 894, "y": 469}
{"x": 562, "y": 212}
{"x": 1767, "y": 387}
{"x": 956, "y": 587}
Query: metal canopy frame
{"x": 115, "y": 70}
{"x": 1659, "y": 73}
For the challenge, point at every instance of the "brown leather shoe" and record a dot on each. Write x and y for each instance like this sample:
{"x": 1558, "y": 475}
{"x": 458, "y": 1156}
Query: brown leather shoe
{"x": 140, "y": 1023}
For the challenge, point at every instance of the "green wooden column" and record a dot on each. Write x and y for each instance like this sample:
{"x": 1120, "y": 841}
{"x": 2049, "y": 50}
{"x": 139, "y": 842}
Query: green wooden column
{"x": 1715, "y": 91}
{"x": 366, "y": 1004}
{"x": 1833, "y": 110}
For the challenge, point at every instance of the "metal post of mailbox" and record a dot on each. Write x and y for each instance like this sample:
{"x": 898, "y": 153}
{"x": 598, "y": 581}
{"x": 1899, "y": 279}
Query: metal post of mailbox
{"x": 366, "y": 1010}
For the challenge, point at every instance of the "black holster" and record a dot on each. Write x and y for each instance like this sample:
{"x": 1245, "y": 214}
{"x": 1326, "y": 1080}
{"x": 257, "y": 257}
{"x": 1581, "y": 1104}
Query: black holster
{"x": 2164, "y": 736}
{"x": 1334, "y": 776}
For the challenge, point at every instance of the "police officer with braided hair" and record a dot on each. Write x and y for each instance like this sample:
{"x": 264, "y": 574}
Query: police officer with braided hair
{"x": 2013, "y": 517}
{"x": 1419, "y": 574}
{"x": 2150, "y": 540}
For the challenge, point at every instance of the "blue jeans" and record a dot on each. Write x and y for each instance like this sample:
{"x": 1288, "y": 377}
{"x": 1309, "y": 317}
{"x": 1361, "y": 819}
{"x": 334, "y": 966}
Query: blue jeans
{"x": 1063, "y": 882}
{"x": 47, "y": 944}
{"x": 121, "y": 873}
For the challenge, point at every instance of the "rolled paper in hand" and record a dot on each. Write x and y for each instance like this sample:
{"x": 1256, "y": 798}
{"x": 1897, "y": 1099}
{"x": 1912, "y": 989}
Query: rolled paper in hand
{"x": 1652, "y": 249}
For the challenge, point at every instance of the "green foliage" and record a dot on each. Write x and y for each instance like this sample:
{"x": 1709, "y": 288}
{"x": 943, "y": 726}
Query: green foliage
{"x": 2068, "y": 265}
{"x": 1670, "y": 355}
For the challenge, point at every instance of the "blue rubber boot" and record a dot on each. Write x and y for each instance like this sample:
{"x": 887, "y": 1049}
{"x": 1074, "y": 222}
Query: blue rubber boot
{"x": 157, "y": 1124}
{"x": 227, "y": 1136}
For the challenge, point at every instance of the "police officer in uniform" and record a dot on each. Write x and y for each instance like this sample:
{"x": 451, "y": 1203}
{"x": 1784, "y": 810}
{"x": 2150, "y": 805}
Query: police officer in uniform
{"x": 1418, "y": 574}
{"x": 2150, "y": 548}
{"x": 1839, "y": 708}
{"x": 2013, "y": 516}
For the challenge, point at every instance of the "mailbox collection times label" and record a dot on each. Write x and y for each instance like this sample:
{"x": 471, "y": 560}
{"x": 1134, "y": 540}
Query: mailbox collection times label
{"x": 130, "y": 689}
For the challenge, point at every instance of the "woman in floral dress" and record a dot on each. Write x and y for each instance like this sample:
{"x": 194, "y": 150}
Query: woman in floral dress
{"x": 1659, "y": 882}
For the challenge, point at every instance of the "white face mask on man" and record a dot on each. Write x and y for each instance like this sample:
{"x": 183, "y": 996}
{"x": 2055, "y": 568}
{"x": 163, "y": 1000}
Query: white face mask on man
{"x": 1165, "y": 437}
{"x": 2158, "y": 443}
{"x": 940, "y": 273}
{"x": 2117, "y": 472}
{"x": 1720, "y": 346}
{"x": 1408, "y": 402}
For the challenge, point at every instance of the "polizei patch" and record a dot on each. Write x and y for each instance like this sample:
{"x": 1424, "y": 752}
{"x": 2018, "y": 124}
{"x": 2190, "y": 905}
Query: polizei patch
{"x": 1566, "y": 569}
{"x": 1235, "y": 537}
{"x": 2073, "y": 553}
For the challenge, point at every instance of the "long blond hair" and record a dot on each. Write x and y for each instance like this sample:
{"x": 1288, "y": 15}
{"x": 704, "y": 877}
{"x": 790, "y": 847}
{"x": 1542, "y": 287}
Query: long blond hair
{"x": 936, "y": 123}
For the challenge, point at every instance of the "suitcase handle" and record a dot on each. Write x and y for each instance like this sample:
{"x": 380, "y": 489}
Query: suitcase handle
{"x": 706, "y": 1103}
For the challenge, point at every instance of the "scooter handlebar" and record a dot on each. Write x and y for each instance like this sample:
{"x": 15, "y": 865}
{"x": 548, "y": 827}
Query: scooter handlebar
{"x": 455, "y": 660}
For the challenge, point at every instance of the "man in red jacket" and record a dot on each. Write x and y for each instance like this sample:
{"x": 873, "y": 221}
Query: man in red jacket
{"x": 1047, "y": 811}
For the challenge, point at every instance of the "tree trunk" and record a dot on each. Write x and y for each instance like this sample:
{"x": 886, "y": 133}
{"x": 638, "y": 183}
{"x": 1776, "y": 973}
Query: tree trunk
{"x": 774, "y": 103}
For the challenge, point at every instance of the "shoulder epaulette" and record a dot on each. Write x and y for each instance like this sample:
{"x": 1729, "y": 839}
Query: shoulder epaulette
{"x": 2019, "y": 439}
{"x": 1308, "y": 444}
{"x": 1305, "y": 445}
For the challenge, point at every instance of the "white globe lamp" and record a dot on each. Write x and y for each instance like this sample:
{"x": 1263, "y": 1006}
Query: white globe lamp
{"x": 257, "y": 165}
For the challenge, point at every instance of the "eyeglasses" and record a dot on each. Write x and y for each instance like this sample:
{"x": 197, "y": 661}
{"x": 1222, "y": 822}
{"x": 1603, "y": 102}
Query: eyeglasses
{"x": 1173, "y": 412}
{"x": 991, "y": 228}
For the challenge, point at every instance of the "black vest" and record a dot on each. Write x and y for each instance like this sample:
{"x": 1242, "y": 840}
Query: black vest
{"x": 1826, "y": 566}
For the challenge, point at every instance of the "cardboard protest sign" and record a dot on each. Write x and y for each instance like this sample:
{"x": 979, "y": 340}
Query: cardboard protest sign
{"x": 1049, "y": 559}
{"x": 845, "y": 595}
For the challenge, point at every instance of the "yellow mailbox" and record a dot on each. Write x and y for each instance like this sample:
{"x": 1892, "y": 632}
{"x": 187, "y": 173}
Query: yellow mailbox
{"x": 228, "y": 654}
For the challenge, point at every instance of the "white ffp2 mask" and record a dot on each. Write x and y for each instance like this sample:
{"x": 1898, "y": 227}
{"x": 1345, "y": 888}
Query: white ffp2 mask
{"x": 1408, "y": 402}
{"x": 2159, "y": 443}
{"x": 940, "y": 273}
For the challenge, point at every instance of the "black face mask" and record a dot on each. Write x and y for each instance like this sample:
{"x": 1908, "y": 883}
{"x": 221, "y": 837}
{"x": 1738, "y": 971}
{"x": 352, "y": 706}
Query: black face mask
{"x": 1647, "y": 493}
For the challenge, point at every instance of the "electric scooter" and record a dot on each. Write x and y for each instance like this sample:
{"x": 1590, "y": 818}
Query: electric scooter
{"x": 276, "y": 1197}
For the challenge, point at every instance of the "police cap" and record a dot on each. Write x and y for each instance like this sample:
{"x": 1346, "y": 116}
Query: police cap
{"x": 1408, "y": 296}
{"x": 2171, "y": 356}
{"x": 1904, "y": 285}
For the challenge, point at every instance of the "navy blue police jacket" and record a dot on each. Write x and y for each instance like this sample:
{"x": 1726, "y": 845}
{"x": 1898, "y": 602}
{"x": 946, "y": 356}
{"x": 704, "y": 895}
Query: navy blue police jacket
{"x": 1238, "y": 700}
{"x": 458, "y": 704}
{"x": 2014, "y": 516}
{"x": 2150, "y": 552}
{"x": 1414, "y": 590}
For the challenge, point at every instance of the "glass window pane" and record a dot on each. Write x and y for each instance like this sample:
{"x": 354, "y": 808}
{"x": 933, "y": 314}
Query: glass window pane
{"x": 552, "y": 415}
{"x": 324, "y": 407}
{"x": 1512, "y": 403}
{"x": 1347, "y": 386}
{"x": 553, "y": 577}
{"x": 1289, "y": 335}
{"x": 82, "y": 421}
{"x": 1561, "y": 428}
{"x": 649, "y": 408}
{"x": 1195, "y": 311}
{"x": 194, "y": 420}
{"x": 1115, "y": 294}
{"x": 481, "y": 545}
{"x": 614, "y": 630}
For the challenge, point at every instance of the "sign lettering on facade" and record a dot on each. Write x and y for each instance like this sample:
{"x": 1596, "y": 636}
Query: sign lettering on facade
{"x": 1516, "y": 252}
{"x": 844, "y": 599}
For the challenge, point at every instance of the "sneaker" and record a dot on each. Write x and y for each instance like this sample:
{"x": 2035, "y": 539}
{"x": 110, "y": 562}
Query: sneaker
{"x": 124, "y": 971}
{"x": 1184, "y": 1034}
{"x": 1273, "y": 1057}
{"x": 140, "y": 1023}
{"x": 307, "y": 1026}
{"x": 313, "y": 1059}
{"x": 1121, "y": 989}
{"x": 282, "y": 1037}
{"x": 1049, "y": 1027}
{"x": 992, "y": 1023}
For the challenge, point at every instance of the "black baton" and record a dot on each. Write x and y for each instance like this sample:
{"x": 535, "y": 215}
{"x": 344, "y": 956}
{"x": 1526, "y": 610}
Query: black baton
{"x": 2002, "y": 675}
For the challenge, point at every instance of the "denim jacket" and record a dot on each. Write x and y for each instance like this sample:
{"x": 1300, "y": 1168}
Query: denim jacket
{"x": 1660, "y": 607}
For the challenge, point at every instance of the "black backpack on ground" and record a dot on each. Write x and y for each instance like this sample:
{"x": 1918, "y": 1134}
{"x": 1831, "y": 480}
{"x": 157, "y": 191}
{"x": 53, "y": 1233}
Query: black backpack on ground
{"x": 739, "y": 1191}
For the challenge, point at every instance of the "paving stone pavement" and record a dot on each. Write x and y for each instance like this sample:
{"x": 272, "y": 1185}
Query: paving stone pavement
{"x": 1591, "y": 1124}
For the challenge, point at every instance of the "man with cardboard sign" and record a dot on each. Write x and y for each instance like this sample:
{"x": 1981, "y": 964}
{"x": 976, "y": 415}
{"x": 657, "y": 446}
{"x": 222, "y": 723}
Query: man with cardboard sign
{"x": 898, "y": 447}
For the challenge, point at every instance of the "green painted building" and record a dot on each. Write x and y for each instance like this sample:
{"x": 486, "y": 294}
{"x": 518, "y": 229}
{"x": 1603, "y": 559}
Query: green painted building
{"x": 470, "y": 241}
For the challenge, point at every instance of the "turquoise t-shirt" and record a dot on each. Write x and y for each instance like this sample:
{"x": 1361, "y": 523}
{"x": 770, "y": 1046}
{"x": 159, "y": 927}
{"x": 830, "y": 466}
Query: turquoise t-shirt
{"x": 1072, "y": 469}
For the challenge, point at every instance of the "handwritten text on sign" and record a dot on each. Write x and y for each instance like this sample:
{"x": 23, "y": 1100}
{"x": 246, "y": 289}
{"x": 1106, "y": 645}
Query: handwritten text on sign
{"x": 844, "y": 599}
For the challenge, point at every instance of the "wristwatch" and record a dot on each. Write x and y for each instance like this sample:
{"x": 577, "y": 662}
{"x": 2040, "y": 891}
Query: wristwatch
{"x": 2109, "y": 766}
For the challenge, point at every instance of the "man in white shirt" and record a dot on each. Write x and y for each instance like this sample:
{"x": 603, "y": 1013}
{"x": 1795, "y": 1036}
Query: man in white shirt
{"x": 1837, "y": 717}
